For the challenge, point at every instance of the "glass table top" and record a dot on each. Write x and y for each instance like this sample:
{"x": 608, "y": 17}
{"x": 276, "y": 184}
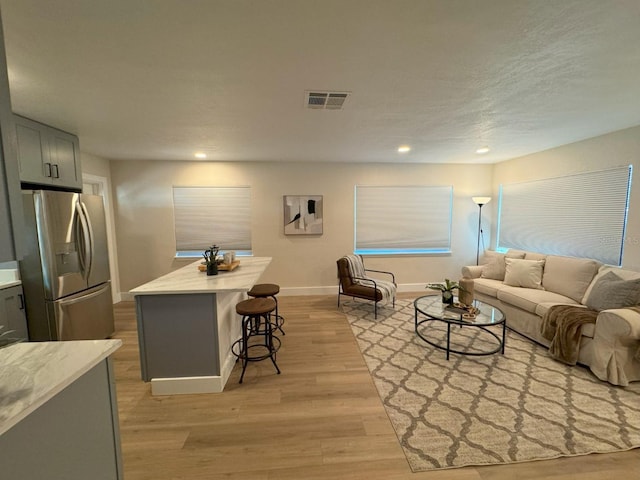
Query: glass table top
{"x": 432, "y": 306}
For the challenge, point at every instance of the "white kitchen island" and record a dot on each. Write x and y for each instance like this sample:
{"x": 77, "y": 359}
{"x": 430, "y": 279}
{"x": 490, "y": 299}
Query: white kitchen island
{"x": 187, "y": 324}
{"x": 58, "y": 411}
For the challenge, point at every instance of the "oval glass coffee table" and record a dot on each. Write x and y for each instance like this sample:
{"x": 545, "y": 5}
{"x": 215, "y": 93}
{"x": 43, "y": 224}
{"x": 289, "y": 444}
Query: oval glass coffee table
{"x": 429, "y": 309}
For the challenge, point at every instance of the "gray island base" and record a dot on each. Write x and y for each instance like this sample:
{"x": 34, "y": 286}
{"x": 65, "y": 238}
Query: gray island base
{"x": 187, "y": 324}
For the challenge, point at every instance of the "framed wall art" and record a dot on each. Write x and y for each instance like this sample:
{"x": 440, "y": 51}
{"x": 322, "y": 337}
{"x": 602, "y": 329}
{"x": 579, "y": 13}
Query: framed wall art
{"x": 303, "y": 215}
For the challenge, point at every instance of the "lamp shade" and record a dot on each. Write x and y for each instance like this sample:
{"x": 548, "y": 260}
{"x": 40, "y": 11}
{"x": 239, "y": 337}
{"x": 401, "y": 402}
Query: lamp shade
{"x": 481, "y": 200}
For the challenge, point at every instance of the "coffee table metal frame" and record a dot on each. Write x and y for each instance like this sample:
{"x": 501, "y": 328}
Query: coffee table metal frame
{"x": 432, "y": 308}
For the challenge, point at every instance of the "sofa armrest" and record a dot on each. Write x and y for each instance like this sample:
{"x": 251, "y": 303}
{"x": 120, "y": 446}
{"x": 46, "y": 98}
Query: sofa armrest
{"x": 472, "y": 271}
{"x": 616, "y": 346}
{"x": 619, "y": 322}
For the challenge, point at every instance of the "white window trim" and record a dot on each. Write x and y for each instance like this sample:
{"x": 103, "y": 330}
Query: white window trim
{"x": 105, "y": 190}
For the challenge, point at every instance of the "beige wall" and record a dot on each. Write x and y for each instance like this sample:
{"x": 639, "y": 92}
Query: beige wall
{"x": 144, "y": 217}
{"x": 306, "y": 264}
{"x": 615, "y": 149}
{"x": 95, "y": 165}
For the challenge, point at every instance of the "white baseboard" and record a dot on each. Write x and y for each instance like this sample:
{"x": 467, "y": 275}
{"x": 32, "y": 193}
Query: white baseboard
{"x": 186, "y": 385}
{"x": 412, "y": 287}
{"x": 297, "y": 291}
{"x": 333, "y": 290}
{"x": 302, "y": 291}
{"x": 127, "y": 297}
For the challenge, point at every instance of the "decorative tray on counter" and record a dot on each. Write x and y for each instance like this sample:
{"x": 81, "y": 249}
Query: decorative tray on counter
{"x": 222, "y": 267}
{"x": 468, "y": 311}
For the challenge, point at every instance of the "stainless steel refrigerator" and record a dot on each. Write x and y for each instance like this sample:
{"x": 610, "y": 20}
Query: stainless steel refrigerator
{"x": 65, "y": 271}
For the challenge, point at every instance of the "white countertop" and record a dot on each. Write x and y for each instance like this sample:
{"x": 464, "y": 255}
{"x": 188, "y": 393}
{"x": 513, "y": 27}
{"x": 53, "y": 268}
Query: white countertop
{"x": 32, "y": 373}
{"x": 189, "y": 280}
{"x": 9, "y": 278}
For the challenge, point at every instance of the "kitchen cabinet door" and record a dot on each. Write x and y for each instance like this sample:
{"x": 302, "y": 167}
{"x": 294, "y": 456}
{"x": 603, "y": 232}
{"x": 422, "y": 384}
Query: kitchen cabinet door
{"x": 47, "y": 156}
{"x": 64, "y": 150}
{"x": 33, "y": 152}
{"x": 12, "y": 315}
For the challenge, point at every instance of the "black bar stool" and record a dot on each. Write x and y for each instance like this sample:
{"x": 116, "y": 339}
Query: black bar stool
{"x": 258, "y": 341}
{"x": 263, "y": 290}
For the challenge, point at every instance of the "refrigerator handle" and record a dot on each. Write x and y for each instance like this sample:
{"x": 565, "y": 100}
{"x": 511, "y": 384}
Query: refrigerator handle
{"x": 91, "y": 236}
{"x": 84, "y": 241}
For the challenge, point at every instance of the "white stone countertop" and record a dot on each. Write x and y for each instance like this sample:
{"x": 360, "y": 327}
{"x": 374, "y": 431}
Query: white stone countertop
{"x": 189, "y": 279}
{"x": 9, "y": 278}
{"x": 31, "y": 373}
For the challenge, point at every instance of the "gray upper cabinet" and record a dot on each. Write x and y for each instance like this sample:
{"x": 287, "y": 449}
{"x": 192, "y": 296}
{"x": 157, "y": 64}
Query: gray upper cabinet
{"x": 47, "y": 156}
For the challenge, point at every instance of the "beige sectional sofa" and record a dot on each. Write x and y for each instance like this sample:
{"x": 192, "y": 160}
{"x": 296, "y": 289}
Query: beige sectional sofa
{"x": 524, "y": 285}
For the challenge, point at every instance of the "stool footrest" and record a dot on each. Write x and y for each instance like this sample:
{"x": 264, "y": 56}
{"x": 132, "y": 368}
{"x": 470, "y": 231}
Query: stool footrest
{"x": 238, "y": 351}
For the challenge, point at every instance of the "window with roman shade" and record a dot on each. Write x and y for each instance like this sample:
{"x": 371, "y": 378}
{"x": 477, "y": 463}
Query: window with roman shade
{"x": 403, "y": 219}
{"x": 580, "y": 215}
{"x": 205, "y": 216}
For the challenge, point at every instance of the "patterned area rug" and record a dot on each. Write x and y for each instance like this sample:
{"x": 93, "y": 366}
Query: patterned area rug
{"x": 516, "y": 407}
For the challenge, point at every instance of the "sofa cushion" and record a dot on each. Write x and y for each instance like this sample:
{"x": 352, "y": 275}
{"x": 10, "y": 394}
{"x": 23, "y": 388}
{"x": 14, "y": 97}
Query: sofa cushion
{"x": 604, "y": 269}
{"x": 523, "y": 273}
{"x": 528, "y": 299}
{"x": 569, "y": 276}
{"x": 611, "y": 291}
{"x": 494, "y": 268}
{"x": 487, "y": 286}
{"x": 535, "y": 256}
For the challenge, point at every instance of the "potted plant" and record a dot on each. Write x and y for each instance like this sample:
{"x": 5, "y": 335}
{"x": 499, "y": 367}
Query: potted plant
{"x": 447, "y": 289}
{"x": 211, "y": 259}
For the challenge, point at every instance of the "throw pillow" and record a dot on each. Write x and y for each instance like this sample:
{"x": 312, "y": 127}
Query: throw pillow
{"x": 495, "y": 267}
{"x": 524, "y": 273}
{"x": 611, "y": 291}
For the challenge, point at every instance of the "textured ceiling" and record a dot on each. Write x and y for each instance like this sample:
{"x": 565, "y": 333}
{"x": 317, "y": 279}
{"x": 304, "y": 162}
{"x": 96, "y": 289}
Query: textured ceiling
{"x": 161, "y": 79}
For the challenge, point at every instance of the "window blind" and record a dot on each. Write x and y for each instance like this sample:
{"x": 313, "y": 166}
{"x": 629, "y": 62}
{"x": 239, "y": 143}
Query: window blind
{"x": 205, "y": 216}
{"x": 581, "y": 215}
{"x": 403, "y": 219}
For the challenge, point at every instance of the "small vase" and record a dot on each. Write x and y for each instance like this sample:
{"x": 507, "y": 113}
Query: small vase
{"x": 447, "y": 298}
{"x": 465, "y": 294}
{"x": 212, "y": 268}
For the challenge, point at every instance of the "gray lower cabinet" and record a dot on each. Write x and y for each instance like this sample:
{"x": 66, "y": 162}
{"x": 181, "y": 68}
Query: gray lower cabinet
{"x": 73, "y": 436}
{"x": 47, "y": 156}
{"x": 13, "y": 321}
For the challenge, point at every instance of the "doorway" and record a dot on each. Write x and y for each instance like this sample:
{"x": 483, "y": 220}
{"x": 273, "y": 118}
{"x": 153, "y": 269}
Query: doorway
{"x": 97, "y": 185}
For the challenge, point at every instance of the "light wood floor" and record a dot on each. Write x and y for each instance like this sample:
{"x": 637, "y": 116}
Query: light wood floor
{"x": 320, "y": 419}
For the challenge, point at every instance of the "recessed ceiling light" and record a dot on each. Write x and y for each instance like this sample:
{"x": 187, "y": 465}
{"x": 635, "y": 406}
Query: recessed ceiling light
{"x": 482, "y": 150}
{"x": 200, "y": 155}
{"x": 404, "y": 148}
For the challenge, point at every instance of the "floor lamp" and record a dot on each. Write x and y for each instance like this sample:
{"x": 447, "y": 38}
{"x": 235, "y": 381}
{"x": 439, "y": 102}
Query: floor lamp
{"x": 480, "y": 201}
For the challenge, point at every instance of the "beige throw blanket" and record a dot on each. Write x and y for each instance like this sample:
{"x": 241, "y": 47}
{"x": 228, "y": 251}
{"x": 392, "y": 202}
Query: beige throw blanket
{"x": 561, "y": 325}
{"x": 359, "y": 276}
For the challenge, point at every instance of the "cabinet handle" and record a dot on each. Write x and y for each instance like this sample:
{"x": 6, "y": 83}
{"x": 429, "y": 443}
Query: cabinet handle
{"x": 55, "y": 169}
{"x": 21, "y": 297}
{"x": 47, "y": 169}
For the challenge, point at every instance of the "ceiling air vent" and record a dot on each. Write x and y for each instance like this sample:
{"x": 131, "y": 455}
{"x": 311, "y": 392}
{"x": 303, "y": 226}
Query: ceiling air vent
{"x": 325, "y": 100}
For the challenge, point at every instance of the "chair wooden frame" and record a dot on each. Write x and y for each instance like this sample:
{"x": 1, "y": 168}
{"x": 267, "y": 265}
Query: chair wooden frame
{"x": 367, "y": 289}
